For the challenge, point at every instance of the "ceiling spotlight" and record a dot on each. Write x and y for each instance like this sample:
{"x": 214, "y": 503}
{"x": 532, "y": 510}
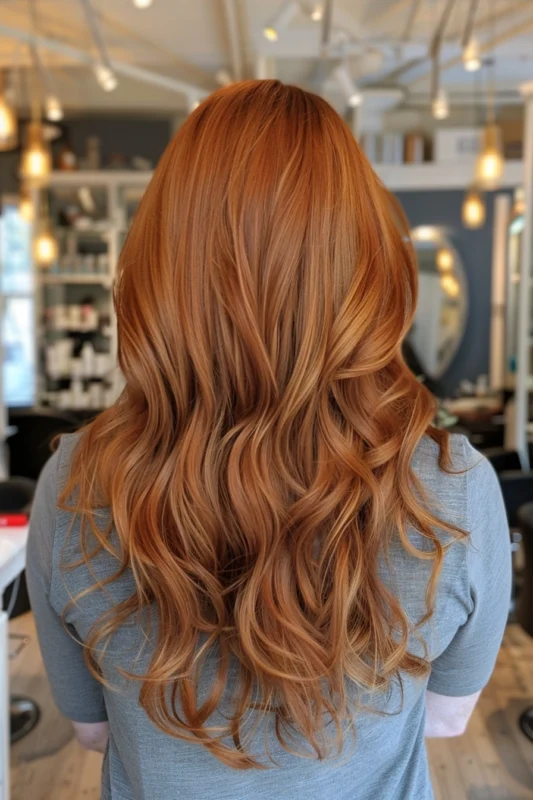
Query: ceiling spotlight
{"x": 284, "y": 15}
{"x": 350, "y": 90}
{"x": 440, "y": 106}
{"x": 142, "y": 3}
{"x": 317, "y": 12}
{"x": 105, "y": 77}
{"x": 53, "y": 109}
{"x": 223, "y": 77}
{"x": 472, "y": 56}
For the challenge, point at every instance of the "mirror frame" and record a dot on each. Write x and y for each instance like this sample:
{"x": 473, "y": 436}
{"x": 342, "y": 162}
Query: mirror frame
{"x": 441, "y": 237}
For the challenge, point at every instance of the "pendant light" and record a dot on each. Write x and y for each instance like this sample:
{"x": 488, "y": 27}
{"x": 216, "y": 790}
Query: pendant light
{"x": 444, "y": 259}
{"x": 45, "y": 246}
{"x": 440, "y": 106}
{"x": 53, "y": 108}
{"x": 36, "y": 161}
{"x": 8, "y": 121}
{"x": 26, "y": 209}
{"x": 142, "y": 3}
{"x": 472, "y": 56}
{"x": 490, "y": 162}
{"x": 45, "y": 249}
{"x": 473, "y": 209}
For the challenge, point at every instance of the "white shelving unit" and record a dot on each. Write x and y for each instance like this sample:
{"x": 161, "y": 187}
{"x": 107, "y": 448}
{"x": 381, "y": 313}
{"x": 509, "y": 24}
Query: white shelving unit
{"x": 116, "y": 195}
{"x": 435, "y": 176}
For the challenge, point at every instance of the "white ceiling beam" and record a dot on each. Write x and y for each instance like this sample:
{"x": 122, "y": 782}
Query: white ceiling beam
{"x": 119, "y": 67}
{"x": 487, "y": 47}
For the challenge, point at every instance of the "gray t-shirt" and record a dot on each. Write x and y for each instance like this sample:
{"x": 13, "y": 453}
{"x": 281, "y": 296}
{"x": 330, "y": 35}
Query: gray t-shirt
{"x": 388, "y": 759}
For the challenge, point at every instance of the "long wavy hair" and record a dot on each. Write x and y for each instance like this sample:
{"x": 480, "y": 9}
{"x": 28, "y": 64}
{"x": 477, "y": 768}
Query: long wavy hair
{"x": 258, "y": 461}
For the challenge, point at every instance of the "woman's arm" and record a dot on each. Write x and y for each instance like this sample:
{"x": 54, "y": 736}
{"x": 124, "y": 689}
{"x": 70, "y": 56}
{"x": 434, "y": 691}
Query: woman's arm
{"x": 448, "y": 716}
{"x": 92, "y": 735}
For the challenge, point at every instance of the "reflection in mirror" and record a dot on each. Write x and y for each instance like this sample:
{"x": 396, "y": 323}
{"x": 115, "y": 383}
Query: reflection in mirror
{"x": 442, "y": 307}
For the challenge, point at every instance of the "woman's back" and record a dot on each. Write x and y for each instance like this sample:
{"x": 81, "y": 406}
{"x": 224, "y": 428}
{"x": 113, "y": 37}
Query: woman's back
{"x": 387, "y": 760}
{"x": 262, "y": 548}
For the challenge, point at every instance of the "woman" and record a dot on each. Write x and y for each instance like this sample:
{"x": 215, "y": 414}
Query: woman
{"x": 252, "y": 573}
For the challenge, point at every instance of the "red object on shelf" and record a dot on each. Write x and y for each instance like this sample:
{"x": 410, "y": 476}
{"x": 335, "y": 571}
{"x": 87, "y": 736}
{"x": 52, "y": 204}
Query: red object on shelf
{"x": 13, "y": 520}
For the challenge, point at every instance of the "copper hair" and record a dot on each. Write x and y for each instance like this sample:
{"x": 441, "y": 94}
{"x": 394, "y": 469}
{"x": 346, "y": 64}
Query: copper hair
{"x": 258, "y": 461}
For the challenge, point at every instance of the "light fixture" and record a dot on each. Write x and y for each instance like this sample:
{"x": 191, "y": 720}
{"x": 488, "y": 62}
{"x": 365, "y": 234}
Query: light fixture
{"x": 36, "y": 160}
{"x": 105, "y": 77}
{"x": 45, "y": 249}
{"x": 490, "y": 162}
{"x": 53, "y": 109}
{"x": 472, "y": 56}
{"x": 450, "y": 285}
{"x": 223, "y": 77}
{"x": 317, "y": 12}
{"x": 350, "y": 90}
{"x": 8, "y": 122}
{"x": 284, "y": 15}
{"x": 473, "y": 209}
{"x": 519, "y": 204}
{"x": 444, "y": 259}
{"x": 142, "y": 3}
{"x": 440, "y": 107}
{"x": 26, "y": 209}
{"x": 425, "y": 233}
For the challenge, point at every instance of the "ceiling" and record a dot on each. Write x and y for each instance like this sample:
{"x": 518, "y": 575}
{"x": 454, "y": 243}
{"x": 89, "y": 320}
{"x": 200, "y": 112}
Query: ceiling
{"x": 185, "y": 43}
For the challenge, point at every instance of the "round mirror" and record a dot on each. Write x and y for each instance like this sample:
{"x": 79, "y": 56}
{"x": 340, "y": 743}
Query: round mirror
{"x": 440, "y": 317}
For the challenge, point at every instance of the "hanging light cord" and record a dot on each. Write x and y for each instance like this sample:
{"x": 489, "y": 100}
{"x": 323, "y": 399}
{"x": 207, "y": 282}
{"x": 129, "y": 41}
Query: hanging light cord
{"x": 435, "y": 47}
{"x": 411, "y": 18}
{"x": 327, "y": 23}
{"x": 469, "y": 24}
{"x": 33, "y": 92}
{"x": 96, "y": 33}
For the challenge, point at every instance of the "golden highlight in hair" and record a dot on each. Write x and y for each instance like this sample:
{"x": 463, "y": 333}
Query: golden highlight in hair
{"x": 259, "y": 459}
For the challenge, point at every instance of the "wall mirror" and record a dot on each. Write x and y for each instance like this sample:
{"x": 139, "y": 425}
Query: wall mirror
{"x": 442, "y": 307}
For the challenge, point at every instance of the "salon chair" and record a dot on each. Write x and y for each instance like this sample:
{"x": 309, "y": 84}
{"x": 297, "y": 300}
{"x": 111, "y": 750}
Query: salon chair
{"x": 525, "y": 601}
{"x": 30, "y": 447}
{"x": 16, "y": 495}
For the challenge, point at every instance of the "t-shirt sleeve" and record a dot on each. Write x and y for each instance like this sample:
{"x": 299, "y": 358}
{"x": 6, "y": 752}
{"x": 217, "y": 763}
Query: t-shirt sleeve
{"x": 78, "y": 695}
{"x": 467, "y": 663}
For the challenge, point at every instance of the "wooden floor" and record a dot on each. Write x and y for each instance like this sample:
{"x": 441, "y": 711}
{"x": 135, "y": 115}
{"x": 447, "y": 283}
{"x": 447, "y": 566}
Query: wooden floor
{"x": 492, "y": 761}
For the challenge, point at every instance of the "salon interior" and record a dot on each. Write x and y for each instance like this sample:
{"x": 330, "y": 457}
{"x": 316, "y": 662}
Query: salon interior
{"x": 439, "y": 94}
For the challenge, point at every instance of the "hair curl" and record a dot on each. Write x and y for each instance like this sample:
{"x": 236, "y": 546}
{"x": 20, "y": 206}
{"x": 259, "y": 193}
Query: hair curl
{"x": 259, "y": 459}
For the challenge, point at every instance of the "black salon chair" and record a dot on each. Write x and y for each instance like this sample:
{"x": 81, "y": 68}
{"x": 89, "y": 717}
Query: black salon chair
{"x": 16, "y": 495}
{"x": 30, "y": 447}
{"x": 525, "y": 601}
{"x": 31, "y": 444}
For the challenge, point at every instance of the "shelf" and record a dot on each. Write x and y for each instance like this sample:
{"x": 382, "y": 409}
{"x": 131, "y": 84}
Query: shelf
{"x": 64, "y": 231}
{"x": 51, "y": 280}
{"x": 100, "y": 177}
{"x": 74, "y": 331}
{"x": 434, "y": 176}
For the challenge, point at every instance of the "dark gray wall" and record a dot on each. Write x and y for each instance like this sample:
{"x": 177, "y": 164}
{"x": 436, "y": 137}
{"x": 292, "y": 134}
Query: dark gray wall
{"x": 443, "y": 208}
{"x": 130, "y": 136}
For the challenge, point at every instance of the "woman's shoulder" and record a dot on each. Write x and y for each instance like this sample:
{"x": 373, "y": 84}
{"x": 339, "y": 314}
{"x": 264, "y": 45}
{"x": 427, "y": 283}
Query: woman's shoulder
{"x": 466, "y": 486}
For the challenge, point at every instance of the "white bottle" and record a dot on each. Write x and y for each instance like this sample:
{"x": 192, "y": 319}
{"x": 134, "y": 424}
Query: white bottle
{"x": 87, "y": 359}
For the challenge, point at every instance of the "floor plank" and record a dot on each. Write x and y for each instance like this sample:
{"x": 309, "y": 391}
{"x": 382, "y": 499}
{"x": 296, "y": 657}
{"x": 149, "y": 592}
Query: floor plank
{"x": 492, "y": 761}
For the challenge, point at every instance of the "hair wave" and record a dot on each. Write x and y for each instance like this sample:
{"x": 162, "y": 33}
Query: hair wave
{"x": 259, "y": 459}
